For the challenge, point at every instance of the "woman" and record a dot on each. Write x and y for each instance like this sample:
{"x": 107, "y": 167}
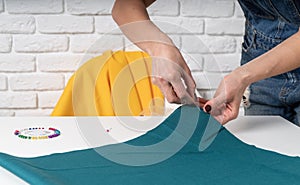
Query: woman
{"x": 270, "y": 60}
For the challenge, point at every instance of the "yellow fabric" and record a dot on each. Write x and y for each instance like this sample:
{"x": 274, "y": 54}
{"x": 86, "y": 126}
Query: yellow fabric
{"x": 112, "y": 84}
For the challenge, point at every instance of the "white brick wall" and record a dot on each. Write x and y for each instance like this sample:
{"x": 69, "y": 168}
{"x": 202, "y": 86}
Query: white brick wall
{"x": 1, "y": 6}
{"x": 222, "y": 62}
{"x": 34, "y": 6}
{"x": 181, "y": 25}
{"x": 5, "y": 43}
{"x": 205, "y": 44}
{"x": 48, "y": 99}
{"x": 105, "y": 24}
{"x": 207, "y": 8}
{"x": 65, "y": 24}
{"x": 58, "y": 62}
{"x": 224, "y": 26}
{"x": 32, "y": 82}
{"x": 89, "y": 7}
{"x": 17, "y": 24}
{"x": 167, "y": 8}
{"x": 42, "y": 42}
{"x": 3, "y": 83}
{"x": 18, "y": 100}
{"x": 17, "y": 63}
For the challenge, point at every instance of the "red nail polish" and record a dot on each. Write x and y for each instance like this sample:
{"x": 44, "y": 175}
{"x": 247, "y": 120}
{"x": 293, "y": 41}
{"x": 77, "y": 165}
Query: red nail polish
{"x": 207, "y": 108}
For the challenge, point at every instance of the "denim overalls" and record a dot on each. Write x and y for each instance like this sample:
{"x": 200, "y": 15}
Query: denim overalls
{"x": 268, "y": 23}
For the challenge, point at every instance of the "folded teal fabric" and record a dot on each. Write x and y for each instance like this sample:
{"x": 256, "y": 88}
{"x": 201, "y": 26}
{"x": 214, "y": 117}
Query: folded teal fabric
{"x": 169, "y": 154}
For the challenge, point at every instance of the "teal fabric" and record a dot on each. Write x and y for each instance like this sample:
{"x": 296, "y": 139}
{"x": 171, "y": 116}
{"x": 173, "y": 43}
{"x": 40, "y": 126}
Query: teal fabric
{"x": 226, "y": 161}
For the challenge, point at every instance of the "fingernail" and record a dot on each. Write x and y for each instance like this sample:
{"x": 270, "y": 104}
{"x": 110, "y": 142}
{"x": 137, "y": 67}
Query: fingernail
{"x": 207, "y": 108}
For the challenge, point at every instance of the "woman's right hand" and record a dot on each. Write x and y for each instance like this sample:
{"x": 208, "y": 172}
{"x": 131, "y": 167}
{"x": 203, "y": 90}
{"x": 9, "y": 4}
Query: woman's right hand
{"x": 171, "y": 74}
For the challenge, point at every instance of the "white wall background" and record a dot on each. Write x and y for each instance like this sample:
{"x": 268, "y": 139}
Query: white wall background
{"x": 42, "y": 43}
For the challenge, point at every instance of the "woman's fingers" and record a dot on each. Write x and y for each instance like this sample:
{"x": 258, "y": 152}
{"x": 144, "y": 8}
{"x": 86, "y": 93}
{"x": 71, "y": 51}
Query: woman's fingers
{"x": 201, "y": 102}
{"x": 174, "y": 91}
{"x": 167, "y": 90}
{"x": 169, "y": 65}
{"x": 189, "y": 81}
{"x": 182, "y": 93}
{"x": 222, "y": 110}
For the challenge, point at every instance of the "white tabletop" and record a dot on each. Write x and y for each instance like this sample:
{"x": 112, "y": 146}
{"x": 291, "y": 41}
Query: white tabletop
{"x": 271, "y": 133}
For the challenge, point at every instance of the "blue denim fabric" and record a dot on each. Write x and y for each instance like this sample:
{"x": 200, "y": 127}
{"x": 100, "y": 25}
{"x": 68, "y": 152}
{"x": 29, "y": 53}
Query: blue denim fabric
{"x": 268, "y": 23}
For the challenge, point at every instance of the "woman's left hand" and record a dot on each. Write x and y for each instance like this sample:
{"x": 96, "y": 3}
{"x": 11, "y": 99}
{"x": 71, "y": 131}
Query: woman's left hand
{"x": 226, "y": 102}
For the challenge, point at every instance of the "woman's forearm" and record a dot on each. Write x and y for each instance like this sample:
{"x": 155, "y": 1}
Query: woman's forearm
{"x": 283, "y": 58}
{"x": 134, "y": 21}
{"x": 127, "y": 11}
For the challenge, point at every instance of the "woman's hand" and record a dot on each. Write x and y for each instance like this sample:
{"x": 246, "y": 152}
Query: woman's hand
{"x": 283, "y": 58}
{"x": 227, "y": 99}
{"x": 171, "y": 74}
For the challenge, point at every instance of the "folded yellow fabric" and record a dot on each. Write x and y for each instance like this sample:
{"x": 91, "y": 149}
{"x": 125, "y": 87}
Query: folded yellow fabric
{"x": 115, "y": 83}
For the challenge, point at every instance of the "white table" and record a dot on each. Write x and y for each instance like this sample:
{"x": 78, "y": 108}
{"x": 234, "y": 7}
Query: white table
{"x": 271, "y": 133}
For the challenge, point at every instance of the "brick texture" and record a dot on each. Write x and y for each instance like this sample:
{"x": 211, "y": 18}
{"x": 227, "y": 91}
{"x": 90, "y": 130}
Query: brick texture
{"x": 194, "y": 61}
{"x": 174, "y": 25}
{"x": 165, "y": 8}
{"x": 59, "y": 62}
{"x": 41, "y": 43}
{"x": 105, "y": 24}
{"x": 221, "y": 63}
{"x": 17, "y": 24}
{"x": 207, "y": 81}
{"x": 90, "y": 7}
{"x": 48, "y": 99}
{"x": 224, "y": 27}
{"x": 3, "y": 83}
{"x": 5, "y": 43}
{"x": 208, "y": 44}
{"x": 207, "y": 8}
{"x": 34, "y": 6}
{"x": 1, "y": 6}
{"x": 17, "y": 63}
{"x": 18, "y": 100}
{"x": 96, "y": 44}
{"x": 38, "y": 82}
{"x": 65, "y": 24}
{"x": 7, "y": 113}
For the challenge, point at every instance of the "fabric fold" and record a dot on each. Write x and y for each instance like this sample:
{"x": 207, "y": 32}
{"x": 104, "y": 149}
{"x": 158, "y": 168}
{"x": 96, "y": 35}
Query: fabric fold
{"x": 115, "y": 83}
